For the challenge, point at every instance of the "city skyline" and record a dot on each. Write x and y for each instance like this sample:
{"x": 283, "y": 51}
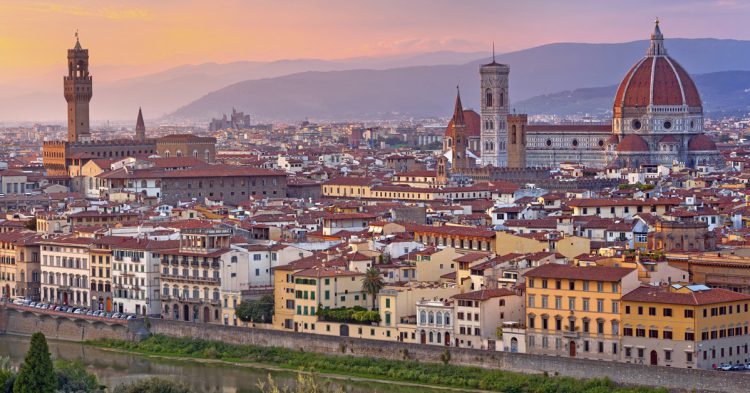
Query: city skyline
{"x": 131, "y": 37}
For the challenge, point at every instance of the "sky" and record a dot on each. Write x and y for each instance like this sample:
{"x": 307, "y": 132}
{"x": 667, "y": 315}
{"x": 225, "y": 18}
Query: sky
{"x": 158, "y": 34}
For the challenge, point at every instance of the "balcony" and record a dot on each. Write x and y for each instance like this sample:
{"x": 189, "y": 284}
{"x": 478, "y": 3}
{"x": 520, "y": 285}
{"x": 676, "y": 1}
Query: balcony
{"x": 571, "y": 334}
{"x": 191, "y": 279}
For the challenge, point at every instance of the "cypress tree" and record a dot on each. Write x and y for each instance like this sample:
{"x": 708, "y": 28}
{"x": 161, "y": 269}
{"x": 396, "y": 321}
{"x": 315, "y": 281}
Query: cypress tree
{"x": 37, "y": 374}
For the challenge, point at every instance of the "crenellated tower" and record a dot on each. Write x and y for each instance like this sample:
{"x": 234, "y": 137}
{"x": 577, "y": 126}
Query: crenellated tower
{"x": 78, "y": 92}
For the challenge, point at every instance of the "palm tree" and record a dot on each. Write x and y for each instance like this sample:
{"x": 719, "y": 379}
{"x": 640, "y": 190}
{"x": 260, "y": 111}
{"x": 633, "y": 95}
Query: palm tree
{"x": 372, "y": 283}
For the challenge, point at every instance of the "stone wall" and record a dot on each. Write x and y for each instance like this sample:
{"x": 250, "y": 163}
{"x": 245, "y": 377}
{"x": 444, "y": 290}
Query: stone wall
{"x": 672, "y": 378}
{"x": 72, "y": 328}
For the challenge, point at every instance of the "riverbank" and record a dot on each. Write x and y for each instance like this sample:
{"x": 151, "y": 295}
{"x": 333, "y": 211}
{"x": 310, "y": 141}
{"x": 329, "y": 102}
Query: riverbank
{"x": 404, "y": 371}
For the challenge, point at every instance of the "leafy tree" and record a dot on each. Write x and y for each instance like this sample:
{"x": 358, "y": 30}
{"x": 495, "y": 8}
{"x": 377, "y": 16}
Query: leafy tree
{"x": 256, "y": 310}
{"x": 153, "y": 385}
{"x": 36, "y": 374}
{"x": 7, "y": 374}
{"x": 72, "y": 377}
{"x": 372, "y": 283}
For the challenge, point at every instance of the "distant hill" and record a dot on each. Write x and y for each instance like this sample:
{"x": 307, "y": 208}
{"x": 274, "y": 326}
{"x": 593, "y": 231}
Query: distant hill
{"x": 163, "y": 92}
{"x": 428, "y": 90}
{"x": 725, "y": 92}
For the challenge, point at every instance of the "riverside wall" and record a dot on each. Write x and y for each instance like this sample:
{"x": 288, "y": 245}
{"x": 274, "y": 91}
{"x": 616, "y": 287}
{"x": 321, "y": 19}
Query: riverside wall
{"x": 77, "y": 328}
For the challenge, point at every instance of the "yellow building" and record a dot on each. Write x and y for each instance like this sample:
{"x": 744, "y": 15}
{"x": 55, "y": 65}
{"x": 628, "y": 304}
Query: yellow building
{"x": 575, "y": 311}
{"x": 685, "y": 326}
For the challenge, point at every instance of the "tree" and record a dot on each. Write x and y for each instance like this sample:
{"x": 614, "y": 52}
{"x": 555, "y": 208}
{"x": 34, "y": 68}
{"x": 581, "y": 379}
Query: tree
{"x": 7, "y": 374}
{"x": 372, "y": 283}
{"x": 153, "y": 385}
{"x": 36, "y": 374}
{"x": 72, "y": 377}
{"x": 256, "y": 310}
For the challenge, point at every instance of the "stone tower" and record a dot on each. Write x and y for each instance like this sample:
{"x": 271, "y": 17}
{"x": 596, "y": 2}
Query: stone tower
{"x": 459, "y": 160}
{"x": 517, "y": 140}
{"x": 494, "y": 110}
{"x": 140, "y": 128}
{"x": 78, "y": 91}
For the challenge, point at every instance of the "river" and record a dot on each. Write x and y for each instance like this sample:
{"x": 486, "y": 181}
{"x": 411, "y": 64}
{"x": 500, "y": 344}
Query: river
{"x": 114, "y": 368}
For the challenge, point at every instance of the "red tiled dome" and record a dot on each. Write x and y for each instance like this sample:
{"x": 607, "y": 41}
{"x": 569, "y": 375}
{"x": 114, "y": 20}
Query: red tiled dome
{"x": 701, "y": 142}
{"x": 613, "y": 140}
{"x": 657, "y": 80}
{"x": 472, "y": 121}
{"x": 632, "y": 143}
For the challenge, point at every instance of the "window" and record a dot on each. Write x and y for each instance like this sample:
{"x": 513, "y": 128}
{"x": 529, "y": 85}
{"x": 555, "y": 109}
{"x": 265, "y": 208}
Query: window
{"x": 627, "y": 331}
{"x": 600, "y": 305}
{"x": 688, "y": 313}
{"x": 585, "y": 285}
{"x": 599, "y": 286}
{"x": 652, "y": 311}
{"x": 667, "y": 334}
{"x": 667, "y": 312}
{"x": 640, "y": 332}
{"x": 653, "y": 333}
{"x": 585, "y": 304}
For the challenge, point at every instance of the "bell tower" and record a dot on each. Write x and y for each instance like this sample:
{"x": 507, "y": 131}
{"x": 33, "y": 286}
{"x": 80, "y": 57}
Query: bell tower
{"x": 78, "y": 91}
{"x": 494, "y": 99}
{"x": 459, "y": 160}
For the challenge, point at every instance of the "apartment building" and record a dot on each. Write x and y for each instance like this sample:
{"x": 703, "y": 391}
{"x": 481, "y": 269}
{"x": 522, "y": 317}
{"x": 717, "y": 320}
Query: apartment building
{"x": 136, "y": 275}
{"x": 478, "y": 315}
{"x": 66, "y": 270}
{"x": 191, "y": 275}
{"x": 575, "y": 311}
{"x": 686, "y": 326}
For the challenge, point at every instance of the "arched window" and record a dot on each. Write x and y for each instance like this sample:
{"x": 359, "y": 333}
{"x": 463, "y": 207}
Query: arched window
{"x": 422, "y": 317}
{"x": 207, "y": 155}
{"x": 166, "y": 153}
{"x": 195, "y": 153}
{"x": 431, "y": 317}
{"x": 502, "y": 99}
{"x": 439, "y": 318}
{"x": 447, "y": 319}
{"x": 488, "y": 98}
{"x": 513, "y": 135}
{"x": 144, "y": 184}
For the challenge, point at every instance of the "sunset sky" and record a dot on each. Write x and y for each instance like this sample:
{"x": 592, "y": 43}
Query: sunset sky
{"x": 157, "y": 34}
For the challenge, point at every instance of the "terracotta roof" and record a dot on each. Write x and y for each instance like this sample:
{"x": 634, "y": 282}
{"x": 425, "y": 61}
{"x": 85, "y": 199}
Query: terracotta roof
{"x": 484, "y": 294}
{"x": 472, "y": 122}
{"x": 701, "y": 142}
{"x": 593, "y": 273}
{"x": 666, "y": 295}
{"x": 632, "y": 143}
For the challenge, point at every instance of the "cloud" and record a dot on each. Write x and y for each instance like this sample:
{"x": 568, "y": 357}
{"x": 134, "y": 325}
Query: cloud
{"x": 107, "y": 12}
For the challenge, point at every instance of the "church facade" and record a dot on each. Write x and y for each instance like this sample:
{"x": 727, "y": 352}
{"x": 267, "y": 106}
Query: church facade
{"x": 657, "y": 119}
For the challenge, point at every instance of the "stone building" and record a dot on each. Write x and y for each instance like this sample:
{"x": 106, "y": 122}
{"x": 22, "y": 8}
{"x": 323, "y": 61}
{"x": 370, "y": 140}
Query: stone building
{"x": 671, "y": 236}
{"x": 187, "y": 145}
{"x": 66, "y": 158}
{"x": 191, "y": 276}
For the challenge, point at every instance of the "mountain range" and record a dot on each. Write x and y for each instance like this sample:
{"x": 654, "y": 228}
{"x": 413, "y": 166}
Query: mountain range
{"x": 429, "y": 90}
{"x": 385, "y": 87}
{"x": 722, "y": 93}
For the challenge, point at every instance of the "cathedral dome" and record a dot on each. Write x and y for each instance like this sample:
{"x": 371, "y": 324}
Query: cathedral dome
{"x": 632, "y": 144}
{"x": 657, "y": 79}
{"x": 701, "y": 142}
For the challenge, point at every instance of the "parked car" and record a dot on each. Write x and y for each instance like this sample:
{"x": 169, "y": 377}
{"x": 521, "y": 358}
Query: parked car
{"x": 738, "y": 367}
{"x": 18, "y": 301}
{"x": 725, "y": 367}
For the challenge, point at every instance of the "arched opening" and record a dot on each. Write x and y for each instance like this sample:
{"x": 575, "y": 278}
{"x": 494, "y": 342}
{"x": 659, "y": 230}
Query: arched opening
{"x": 423, "y": 337}
{"x": 186, "y": 312}
{"x": 654, "y": 358}
{"x": 572, "y": 349}
{"x": 447, "y": 339}
{"x": 488, "y": 98}
{"x": 514, "y": 345}
{"x": 206, "y": 314}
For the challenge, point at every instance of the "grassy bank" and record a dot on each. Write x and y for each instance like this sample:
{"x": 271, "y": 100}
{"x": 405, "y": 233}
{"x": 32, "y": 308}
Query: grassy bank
{"x": 406, "y": 371}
